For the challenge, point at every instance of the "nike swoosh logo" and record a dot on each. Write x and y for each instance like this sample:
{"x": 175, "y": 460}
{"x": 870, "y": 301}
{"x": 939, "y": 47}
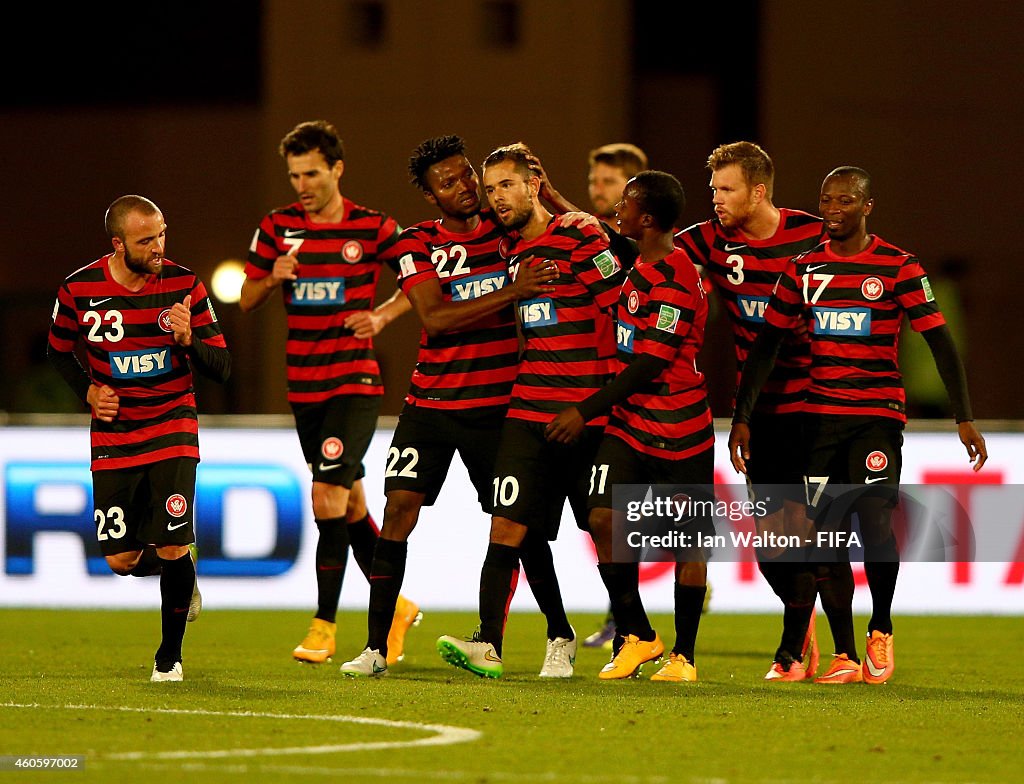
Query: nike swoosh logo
{"x": 294, "y": 232}
{"x": 729, "y": 248}
{"x": 816, "y": 267}
{"x": 871, "y": 480}
{"x": 491, "y": 657}
{"x": 841, "y": 672}
{"x": 94, "y": 302}
{"x": 325, "y": 467}
{"x": 378, "y": 668}
{"x": 176, "y": 527}
{"x": 875, "y": 671}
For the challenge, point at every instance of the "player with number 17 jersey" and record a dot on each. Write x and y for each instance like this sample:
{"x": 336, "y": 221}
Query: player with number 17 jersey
{"x": 854, "y": 307}
{"x": 473, "y": 367}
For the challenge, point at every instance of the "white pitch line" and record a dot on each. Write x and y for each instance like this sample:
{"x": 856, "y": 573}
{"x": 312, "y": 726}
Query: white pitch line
{"x": 445, "y": 734}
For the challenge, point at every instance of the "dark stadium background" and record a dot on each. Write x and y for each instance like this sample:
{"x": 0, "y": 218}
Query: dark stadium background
{"x": 185, "y": 103}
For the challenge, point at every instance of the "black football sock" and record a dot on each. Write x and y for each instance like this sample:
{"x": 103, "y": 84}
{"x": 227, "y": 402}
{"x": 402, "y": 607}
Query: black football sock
{"x": 835, "y": 587}
{"x": 176, "y": 580}
{"x": 331, "y": 559}
{"x": 882, "y": 583}
{"x": 498, "y": 579}
{"x": 386, "y": 575}
{"x": 539, "y": 566}
{"x": 149, "y": 563}
{"x": 776, "y": 574}
{"x": 623, "y": 583}
{"x": 362, "y": 536}
{"x": 802, "y": 591}
{"x": 610, "y": 617}
{"x": 689, "y": 603}
{"x": 881, "y": 559}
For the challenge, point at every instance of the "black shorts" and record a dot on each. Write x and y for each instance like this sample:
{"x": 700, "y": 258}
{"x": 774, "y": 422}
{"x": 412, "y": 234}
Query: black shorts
{"x": 617, "y": 463}
{"x": 335, "y": 435}
{"x": 851, "y": 451}
{"x": 152, "y": 504}
{"x": 533, "y": 477}
{"x": 427, "y": 438}
{"x": 775, "y": 470}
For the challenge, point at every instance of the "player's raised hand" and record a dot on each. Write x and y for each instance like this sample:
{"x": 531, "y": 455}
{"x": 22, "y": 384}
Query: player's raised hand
{"x": 286, "y": 267}
{"x": 739, "y": 447}
{"x": 547, "y": 191}
{"x": 975, "y": 443}
{"x": 181, "y": 321}
{"x": 104, "y": 402}
{"x": 581, "y": 219}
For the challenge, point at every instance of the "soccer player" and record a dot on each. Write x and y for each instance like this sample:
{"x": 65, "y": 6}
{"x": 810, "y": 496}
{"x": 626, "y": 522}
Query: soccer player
{"x": 611, "y": 166}
{"x": 743, "y": 250}
{"x": 458, "y": 283}
{"x": 145, "y": 323}
{"x": 569, "y": 346}
{"x": 660, "y": 430}
{"x": 850, "y": 293}
{"x": 325, "y": 253}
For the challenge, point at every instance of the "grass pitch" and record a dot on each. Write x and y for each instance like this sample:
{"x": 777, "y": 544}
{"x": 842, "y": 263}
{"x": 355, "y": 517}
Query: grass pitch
{"x": 76, "y": 682}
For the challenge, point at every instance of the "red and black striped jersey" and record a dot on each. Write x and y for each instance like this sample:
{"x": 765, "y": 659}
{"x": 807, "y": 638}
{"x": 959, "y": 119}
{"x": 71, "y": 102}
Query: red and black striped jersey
{"x": 475, "y": 366}
{"x": 339, "y": 264}
{"x": 569, "y": 335}
{"x": 130, "y": 347}
{"x": 662, "y": 312}
{"x": 853, "y": 307}
{"x": 744, "y": 271}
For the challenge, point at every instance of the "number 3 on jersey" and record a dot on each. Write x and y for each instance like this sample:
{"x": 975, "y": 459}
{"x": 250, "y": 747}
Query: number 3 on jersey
{"x": 735, "y": 275}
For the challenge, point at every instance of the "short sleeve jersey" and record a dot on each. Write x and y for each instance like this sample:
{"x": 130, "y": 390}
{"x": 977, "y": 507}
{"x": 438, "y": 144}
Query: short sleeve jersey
{"x": 130, "y": 347}
{"x": 662, "y": 312}
{"x": 744, "y": 271}
{"x": 471, "y": 367}
{"x": 569, "y": 338}
{"x": 339, "y": 265}
{"x": 853, "y": 307}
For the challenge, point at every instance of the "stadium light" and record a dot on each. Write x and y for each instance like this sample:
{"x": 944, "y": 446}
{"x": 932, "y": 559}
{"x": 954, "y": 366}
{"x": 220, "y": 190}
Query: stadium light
{"x": 227, "y": 279}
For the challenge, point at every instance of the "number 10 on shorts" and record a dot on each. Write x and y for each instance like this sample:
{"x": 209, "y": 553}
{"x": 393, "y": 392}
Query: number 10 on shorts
{"x": 506, "y": 490}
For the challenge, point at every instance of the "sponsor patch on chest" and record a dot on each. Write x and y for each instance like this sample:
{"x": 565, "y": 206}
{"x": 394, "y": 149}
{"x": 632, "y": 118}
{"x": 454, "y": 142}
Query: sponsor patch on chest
{"x": 473, "y": 286}
{"x": 624, "y": 334}
{"x": 538, "y": 313}
{"x": 318, "y": 291}
{"x": 140, "y": 364}
{"x": 752, "y": 308}
{"x": 842, "y": 321}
